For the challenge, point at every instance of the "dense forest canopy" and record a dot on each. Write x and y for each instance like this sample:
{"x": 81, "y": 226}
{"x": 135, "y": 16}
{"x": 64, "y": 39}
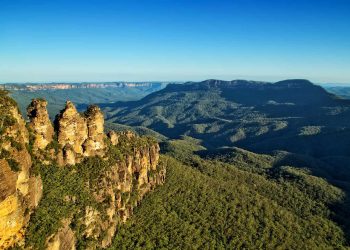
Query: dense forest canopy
{"x": 249, "y": 165}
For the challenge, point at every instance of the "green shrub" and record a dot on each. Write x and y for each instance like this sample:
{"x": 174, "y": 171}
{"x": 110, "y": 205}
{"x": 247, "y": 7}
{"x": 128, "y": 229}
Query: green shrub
{"x": 14, "y": 165}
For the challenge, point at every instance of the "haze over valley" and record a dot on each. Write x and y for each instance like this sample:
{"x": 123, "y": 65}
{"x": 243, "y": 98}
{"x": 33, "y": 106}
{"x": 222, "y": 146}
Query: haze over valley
{"x": 163, "y": 124}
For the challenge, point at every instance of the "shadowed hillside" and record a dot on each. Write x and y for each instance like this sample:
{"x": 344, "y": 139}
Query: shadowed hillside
{"x": 291, "y": 115}
{"x": 303, "y": 129}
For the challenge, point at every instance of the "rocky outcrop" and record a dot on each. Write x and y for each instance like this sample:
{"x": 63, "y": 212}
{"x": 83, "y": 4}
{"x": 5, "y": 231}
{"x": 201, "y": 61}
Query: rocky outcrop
{"x": 114, "y": 173}
{"x": 64, "y": 239}
{"x": 114, "y": 137}
{"x": 72, "y": 132}
{"x": 123, "y": 186}
{"x": 94, "y": 144}
{"x": 40, "y": 124}
{"x": 20, "y": 191}
{"x": 115, "y": 191}
{"x": 80, "y": 135}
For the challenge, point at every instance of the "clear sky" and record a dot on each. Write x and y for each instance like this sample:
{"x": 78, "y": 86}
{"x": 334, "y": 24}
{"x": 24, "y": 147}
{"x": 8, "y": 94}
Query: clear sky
{"x": 139, "y": 40}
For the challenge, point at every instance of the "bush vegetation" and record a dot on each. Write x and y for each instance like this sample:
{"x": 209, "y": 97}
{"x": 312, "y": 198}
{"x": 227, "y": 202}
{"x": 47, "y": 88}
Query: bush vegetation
{"x": 229, "y": 203}
{"x": 67, "y": 191}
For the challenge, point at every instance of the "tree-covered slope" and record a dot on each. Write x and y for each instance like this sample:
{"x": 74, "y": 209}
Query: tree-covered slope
{"x": 291, "y": 115}
{"x": 237, "y": 201}
{"x": 69, "y": 185}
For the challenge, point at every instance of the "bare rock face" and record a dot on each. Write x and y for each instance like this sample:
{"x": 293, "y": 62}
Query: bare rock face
{"x": 20, "y": 192}
{"x": 114, "y": 137}
{"x": 64, "y": 239}
{"x": 94, "y": 145}
{"x": 80, "y": 135}
{"x": 123, "y": 169}
{"x": 122, "y": 187}
{"x": 117, "y": 190}
{"x": 72, "y": 133}
{"x": 40, "y": 124}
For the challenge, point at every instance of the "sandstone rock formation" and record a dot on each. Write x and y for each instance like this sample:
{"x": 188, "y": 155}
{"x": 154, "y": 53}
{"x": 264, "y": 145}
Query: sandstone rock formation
{"x": 80, "y": 135}
{"x": 94, "y": 145}
{"x": 72, "y": 133}
{"x": 127, "y": 168}
{"x": 121, "y": 187}
{"x": 114, "y": 137}
{"x": 64, "y": 239}
{"x": 40, "y": 124}
{"x": 20, "y": 191}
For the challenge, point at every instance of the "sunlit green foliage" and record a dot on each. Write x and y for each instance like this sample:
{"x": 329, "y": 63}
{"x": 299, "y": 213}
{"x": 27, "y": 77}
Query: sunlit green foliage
{"x": 68, "y": 190}
{"x": 221, "y": 207}
{"x": 232, "y": 201}
{"x": 13, "y": 165}
{"x": 6, "y": 119}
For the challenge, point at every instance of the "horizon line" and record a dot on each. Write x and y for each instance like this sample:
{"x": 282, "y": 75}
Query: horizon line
{"x": 165, "y": 81}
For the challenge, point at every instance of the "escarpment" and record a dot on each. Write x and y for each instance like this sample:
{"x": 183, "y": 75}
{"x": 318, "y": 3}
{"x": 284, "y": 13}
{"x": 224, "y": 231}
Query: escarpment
{"x": 87, "y": 182}
{"x": 20, "y": 189}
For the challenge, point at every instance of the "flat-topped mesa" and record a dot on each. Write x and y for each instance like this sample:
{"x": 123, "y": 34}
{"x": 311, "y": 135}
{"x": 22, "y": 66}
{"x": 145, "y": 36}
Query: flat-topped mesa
{"x": 40, "y": 124}
{"x": 80, "y": 135}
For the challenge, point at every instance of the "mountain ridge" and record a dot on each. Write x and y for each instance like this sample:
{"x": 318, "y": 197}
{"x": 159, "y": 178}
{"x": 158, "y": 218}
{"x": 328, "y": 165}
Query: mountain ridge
{"x": 222, "y": 189}
{"x": 290, "y": 84}
{"x": 82, "y": 85}
{"x": 253, "y": 115}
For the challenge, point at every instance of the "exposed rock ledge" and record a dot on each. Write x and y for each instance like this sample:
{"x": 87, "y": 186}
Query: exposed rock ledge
{"x": 132, "y": 169}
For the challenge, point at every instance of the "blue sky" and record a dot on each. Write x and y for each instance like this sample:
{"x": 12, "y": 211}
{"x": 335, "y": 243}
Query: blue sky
{"x": 140, "y": 40}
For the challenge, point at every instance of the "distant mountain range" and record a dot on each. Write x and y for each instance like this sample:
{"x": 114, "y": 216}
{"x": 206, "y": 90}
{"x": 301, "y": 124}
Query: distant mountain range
{"x": 55, "y": 86}
{"x": 259, "y": 116}
{"x": 342, "y": 91}
{"x": 303, "y": 129}
{"x": 80, "y": 93}
{"x": 249, "y": 165}
{"x": 291, "y": 115}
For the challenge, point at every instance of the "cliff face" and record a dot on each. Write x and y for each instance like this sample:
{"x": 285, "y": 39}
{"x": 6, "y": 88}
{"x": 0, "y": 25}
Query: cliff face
{"x": 20, "y": 191}
{"x": 94, "y": 145}
{"x": 80, "y": 135}
{"x": 40, "y": 124}
{"x": 89, "y": 182}
{"x": 121, "y": 187}
{"x": 72, "y": 133}
{"x": 115, "y": 186}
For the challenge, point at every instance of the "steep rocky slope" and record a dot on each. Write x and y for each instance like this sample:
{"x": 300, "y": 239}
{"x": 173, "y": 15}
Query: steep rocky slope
{"x": 20, "y": 190}
{"x": 88, "y": 182}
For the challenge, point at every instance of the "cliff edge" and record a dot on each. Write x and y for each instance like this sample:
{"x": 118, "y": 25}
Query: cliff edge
{"x": 69, "y": 185}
